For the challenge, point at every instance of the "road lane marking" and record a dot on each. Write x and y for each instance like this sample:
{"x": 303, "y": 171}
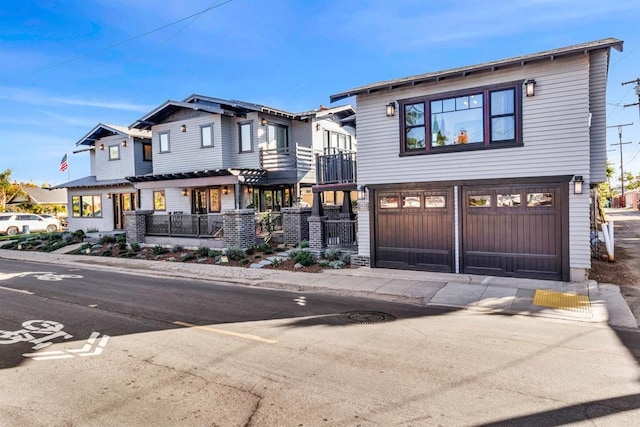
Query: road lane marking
{"x": 20, "y": 291}
{"x": 224, "y": 332}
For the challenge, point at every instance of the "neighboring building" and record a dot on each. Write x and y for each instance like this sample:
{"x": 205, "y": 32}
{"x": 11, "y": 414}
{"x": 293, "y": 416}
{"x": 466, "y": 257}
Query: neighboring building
{"x": 98, "y": 201}
{"x": 475, "y": 169}
{"x": 50, "y": 201}
{"x": 213, "y": 154}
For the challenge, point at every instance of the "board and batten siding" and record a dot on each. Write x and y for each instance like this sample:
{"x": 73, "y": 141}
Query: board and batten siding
{"x": 598, "y": 106}
{"x": 186, "y": 153}
{"x": 117, "y": 168}
{"x": 555, "y": 131}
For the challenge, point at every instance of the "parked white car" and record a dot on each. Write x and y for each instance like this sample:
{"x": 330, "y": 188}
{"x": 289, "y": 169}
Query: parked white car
{"x": 14, "y": 223}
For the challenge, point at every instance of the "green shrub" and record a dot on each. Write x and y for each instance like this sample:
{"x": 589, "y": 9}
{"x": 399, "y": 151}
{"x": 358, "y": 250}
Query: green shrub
{"x": 201, "y": 252}
{"x": 106, "y": 239}
{"x": 346, "y": 258}
{"x": 135, "y": 247}
{"x": 303, "y": 244}
{"x": 264, "y": 246}
{"x": 236, "y": 254}
{"x": 121, "y": 238}
{"x": 107, "y": 252}
{"x": 122, "y": 246}
{"x": 304, "y": 258}
{"x": 276, "y": 262}
{"x": 245, "y": 261}
{"x": 159, "y": 250}
{"x": 78, "y": 234}
{"x": 250, "y": 250}
{"x": 336, "y": 264}
{"x": 187, "y": 256}
{"x": 177, "y": 248}
{"x": 332, "y": 254}
{"x": 212, "y": 253}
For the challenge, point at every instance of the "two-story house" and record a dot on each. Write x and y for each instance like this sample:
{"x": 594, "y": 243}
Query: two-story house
{"x": 98, "y": 201}
{"x": 212, "y": 154}
{"x": 484, "y": 169}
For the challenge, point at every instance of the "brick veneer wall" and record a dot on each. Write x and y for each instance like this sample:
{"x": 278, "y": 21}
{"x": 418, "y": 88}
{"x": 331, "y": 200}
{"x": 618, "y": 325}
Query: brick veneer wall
{"x": 316, "y": 232}
{"x": 136, "y": 225}
{"x": 239, "y": 228}
{"x": 295, "y": 225}
{"x": 360, "y": 261}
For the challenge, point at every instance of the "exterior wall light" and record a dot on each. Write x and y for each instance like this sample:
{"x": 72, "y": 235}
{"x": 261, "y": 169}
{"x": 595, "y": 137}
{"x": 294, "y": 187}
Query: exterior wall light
{"x": 225, "y": 190}
{"x": 391, "y": 109}
{"x": 317, "y": 127}
{"x": 530, "y": 86}
{"x": 183, "y": 128}
{"x": 250, "y": 190}
{"x": 108, "y": 195}
{"x": 124, "y": 143}
{"x": 263, "y": 121}
{"x": 577, "y": 184}
{"x": 362, "y": 192}
{"x": 185, "y": 192}
{"x": 102, "y": 146}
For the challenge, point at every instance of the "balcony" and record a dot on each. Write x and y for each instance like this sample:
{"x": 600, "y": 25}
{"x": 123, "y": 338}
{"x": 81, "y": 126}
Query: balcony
{"x": 298, "y": 158}
{"x": 337, "y": 168}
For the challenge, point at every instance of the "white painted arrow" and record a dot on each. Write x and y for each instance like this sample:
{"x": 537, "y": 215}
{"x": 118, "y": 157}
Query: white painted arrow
{"x": 86, "y": 350}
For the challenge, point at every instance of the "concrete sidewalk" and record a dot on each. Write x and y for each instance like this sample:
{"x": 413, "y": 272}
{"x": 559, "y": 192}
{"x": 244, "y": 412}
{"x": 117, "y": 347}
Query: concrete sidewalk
{"x": 578, "y": 301}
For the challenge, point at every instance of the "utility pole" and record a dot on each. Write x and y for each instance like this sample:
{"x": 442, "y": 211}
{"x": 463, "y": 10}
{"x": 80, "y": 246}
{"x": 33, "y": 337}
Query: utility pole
{"x": 620, "y": 144}
{"x": 637, "y": 88}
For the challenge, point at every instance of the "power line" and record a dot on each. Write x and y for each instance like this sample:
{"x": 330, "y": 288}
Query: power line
{"x": 58, "y": 64}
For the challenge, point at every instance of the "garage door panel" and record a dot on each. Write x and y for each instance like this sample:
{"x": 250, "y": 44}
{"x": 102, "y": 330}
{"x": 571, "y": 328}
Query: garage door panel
{"x": 414, "y": 230}
{"x": 521, "y": 238}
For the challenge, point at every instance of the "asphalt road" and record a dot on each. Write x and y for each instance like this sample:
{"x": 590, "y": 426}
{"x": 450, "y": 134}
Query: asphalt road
{"x": 150, "y": 351}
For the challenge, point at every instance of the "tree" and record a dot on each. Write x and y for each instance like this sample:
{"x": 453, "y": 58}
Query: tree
{"x": 7, "y": 189}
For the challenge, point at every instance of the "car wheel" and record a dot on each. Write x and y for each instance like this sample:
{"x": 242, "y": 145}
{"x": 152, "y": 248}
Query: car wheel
{"x": 51, "y": 228}
{"x": 12, "y": 231}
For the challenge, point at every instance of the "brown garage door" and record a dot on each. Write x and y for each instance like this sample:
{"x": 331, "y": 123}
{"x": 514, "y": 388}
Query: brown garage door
{"x": 414, "y": 230}
{"x": 513, "y": 230}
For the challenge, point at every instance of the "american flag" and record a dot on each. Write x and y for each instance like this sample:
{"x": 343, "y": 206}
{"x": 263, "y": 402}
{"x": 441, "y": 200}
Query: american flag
{"x": 64, "y": 164}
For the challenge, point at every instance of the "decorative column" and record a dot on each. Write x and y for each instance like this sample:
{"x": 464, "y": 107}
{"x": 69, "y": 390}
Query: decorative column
{"x": 295, "y": 224}
{"x": 135, "y": 225}
{"x": 239, "y": 228}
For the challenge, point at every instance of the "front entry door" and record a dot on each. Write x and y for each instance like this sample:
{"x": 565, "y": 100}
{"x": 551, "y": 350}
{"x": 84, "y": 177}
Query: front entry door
{"x": 199, "y": 202}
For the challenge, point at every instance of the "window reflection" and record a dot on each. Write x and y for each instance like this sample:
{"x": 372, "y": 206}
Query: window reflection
{"x": 539, "y": 199}
{"x": 483, "y": 201}
{"x": 508, "y": 200}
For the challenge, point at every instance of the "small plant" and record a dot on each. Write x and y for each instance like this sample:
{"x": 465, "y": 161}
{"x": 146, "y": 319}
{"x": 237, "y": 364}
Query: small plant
{"x": 92, "y": 230}
{"x": 135, "y": 247}
{"x": 332, "y": 254}
{"x": 262, "y": 247}
{"x": 159, "y": 250}
{"x": 236, "y": 254}
{"x": 303, "y": 244}
{"x": 201, "y": 252}
{"x": 304, "y": 258}
{"x": 107, "y": 239}
{"x": 79, "y": 234}
{"x": 177, "y": 248}
{"x": 187, "y": 256}
{"x": 122, "y": 246}
{"x": 211, "y": 253}
{"x": 250, "y": 250}
{"x": 276, "y": 262}
{"x": 346, "y": 258}
{"x": 268, "y": 252}
{"x": 336, "y": 264}
{"x": 245, "y": 261}
{"x": 121, "y": 238}
{"x": 107, "y": 252}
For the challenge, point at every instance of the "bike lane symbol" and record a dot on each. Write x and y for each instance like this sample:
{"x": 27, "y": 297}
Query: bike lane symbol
{"x": 38, "y": 332}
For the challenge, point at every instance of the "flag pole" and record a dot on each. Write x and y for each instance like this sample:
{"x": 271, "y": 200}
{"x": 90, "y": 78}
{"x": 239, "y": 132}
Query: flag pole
{"x": 68, "y": 170}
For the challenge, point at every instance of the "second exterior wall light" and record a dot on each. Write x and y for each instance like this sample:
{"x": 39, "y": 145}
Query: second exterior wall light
{"x": 578, "y": 182}
{"x": 225, "y": 190}
{"x": 530, "y": 86}
{"x": 185, "y": 191}
{"x": 102, "y": 146}
{"x": 183, "y": 128}
{"x": 391, "y": 109}
{"x": 263, "y": 121}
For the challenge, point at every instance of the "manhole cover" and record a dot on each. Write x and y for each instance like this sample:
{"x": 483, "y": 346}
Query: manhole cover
{"x": 366, "y": 317}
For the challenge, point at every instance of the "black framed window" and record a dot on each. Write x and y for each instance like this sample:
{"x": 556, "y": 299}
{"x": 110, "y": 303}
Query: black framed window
{"x": 465, "y": 120}
{"x": 89, "y": 206}
{"x": 206, "y": 136}
{"x": 114, "y": 152}
{"x": 278, "y": 137}
{"x": 147, "y": 153}
{"x": 245, "y": 135}
{"x": 164, "y": 142}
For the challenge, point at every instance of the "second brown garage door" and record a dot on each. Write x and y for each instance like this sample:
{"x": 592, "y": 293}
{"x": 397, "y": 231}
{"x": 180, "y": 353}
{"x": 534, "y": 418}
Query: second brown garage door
{"x": 514, "y": 230}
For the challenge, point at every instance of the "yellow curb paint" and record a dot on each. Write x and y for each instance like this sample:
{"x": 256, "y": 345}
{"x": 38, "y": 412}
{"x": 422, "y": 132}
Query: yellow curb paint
{"x": 229, "y": 333}
{"x": 562, "y": 300}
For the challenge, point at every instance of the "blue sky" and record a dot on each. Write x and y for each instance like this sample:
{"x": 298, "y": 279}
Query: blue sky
{"x": 67, "y": 65}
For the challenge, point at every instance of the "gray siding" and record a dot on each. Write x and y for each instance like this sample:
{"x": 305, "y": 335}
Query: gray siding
{"x": 231, "y": 142}
{"x": 555, "y": 134}
{"x": 104, "y": 223}
{"x": 114, "y": 169}
{"x": 141, "y": 166}
{"x": 186, "y": 153}
{"x": 597, "y": 99}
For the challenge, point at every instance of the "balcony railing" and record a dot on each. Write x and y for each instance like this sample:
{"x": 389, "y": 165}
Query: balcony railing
{"x": 182, "y": 225}
{"x": 337, "y": 168}
{"x": 300, "y": 158}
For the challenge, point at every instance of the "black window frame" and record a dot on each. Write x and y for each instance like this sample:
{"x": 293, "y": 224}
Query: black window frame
{"x": 240, "y": 140}
{"x": 110, "y": 150}
{"x": 284, "y": 149}
{"x": 516, "y": 86}
{"x": 160, "y": 134}
{"x": 202, "y": 141}
{"x": 147, "y": 153}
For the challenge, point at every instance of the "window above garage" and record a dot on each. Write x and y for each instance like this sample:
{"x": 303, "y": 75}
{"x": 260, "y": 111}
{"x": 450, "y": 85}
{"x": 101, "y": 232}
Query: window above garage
{"x": 482, "y": 118}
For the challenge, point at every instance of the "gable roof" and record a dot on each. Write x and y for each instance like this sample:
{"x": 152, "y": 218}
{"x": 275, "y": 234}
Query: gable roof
{"x": 102, "y": 130}
{"x": 229, "y": 107}
{"x": 41, "y": 196}
{"x": 517, "y": 61}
